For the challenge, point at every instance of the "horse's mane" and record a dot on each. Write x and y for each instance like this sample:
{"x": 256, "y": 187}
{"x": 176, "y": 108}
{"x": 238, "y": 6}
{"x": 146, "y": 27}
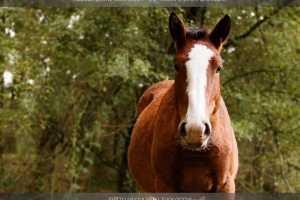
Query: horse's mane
{"x": 197, "y": 33}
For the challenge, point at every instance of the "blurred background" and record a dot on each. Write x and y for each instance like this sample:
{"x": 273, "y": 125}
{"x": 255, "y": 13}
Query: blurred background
{"x": 70, "y": 80}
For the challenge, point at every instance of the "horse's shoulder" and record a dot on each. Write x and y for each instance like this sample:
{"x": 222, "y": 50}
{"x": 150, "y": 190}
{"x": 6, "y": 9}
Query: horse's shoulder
{"x": 151, "y": 93}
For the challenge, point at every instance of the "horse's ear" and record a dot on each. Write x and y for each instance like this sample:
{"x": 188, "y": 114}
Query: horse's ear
{"x": 177, "y": 28}
{"x": 220, "y": 33}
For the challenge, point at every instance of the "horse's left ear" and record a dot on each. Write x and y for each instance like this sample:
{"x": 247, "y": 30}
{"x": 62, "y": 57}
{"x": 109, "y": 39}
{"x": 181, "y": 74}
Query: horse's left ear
{"x": 220, "y": 33}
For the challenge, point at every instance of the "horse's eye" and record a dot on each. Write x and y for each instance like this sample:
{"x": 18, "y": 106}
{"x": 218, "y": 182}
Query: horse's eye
{"x": 176, "y": 67}
{"x": 218, "y": 69}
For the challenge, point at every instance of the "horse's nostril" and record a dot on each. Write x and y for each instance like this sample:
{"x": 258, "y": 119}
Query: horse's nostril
{"x": 207, "y": 130}
{"x": 182, "y": 131}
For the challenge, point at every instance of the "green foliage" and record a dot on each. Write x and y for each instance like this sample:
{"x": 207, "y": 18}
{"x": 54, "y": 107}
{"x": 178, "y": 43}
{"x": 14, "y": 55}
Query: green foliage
{"x": 78, "y": 73}
{"x": 260, "y": 89}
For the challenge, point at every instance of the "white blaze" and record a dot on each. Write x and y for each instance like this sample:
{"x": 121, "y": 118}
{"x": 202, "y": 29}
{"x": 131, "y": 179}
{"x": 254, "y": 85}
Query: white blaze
{"x": 196, "y": 67}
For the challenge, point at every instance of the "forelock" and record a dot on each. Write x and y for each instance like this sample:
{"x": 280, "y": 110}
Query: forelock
{"x": 197, "y": 33}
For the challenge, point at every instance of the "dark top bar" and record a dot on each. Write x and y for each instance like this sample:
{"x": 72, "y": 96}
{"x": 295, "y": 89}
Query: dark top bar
{"x": 149, "y": 3}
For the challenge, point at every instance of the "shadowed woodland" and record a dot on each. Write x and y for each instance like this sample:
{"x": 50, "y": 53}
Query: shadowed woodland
{"x": 71, "y": 80}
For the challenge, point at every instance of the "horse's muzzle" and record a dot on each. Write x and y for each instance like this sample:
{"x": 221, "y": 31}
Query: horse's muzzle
{"x": 194, "y": 135}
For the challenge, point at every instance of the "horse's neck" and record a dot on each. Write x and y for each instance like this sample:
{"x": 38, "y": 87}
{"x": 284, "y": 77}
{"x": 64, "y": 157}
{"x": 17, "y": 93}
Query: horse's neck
{"x": 168, "y": 106}
{"x": 221, "y": 125}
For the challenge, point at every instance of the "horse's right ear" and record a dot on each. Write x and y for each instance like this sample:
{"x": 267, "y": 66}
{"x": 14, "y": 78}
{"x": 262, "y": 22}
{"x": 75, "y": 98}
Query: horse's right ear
{"x": 177, "y": 28}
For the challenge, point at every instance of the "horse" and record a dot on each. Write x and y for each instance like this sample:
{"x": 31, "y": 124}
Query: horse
{"x": 183, "y": 140}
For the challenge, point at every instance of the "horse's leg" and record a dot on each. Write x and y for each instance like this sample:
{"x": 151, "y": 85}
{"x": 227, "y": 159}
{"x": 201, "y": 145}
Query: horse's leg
{"x": 229, "y": 186}
{"x": 142, "y": 191}
{"x": 228, "y": 189}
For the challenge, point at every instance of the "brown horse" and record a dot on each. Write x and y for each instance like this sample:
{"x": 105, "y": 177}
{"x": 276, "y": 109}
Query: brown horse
{"x": 183, "y": 140}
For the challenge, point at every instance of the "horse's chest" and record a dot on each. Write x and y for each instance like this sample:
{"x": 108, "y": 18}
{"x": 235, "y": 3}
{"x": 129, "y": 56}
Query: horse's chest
{"x": 191, "y": 179}
{"x": 199, "y": 177}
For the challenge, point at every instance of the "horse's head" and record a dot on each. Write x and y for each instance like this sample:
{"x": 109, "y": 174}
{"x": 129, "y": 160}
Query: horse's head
{"x": 197, "y": 82}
